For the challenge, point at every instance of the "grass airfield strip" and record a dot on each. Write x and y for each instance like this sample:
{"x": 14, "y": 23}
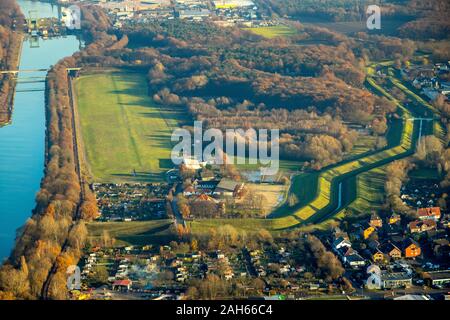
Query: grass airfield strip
{"x": 123, "y": 129}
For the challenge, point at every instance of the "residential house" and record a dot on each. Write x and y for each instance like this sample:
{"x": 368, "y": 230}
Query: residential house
{"x": 205, "y": 187}
{"x": 445, "y": 222}
{"x": 392, "y": 280}
{"x": 411, "y": 249}
{"x": 430, "y": 93}
{"x": 122, "y": 285}
{"x": 438, "y": 278}
{"x": 229, "y": 188}
{"x": 366, "y": 231}
{"x": 394, "y": 218}
{"x": 337, "y": 233}
{"x": 204, "y": 197}
{"x": 429, "y": 213}
{"x": 345, "y": 251}
{"x": 220, "y": 255}
{"x": 375, "y": 221}
{"x": 377, "y": 256}
{"x": 354, "y": 260}
{"x": 341, "y": 242}
{"x": 189, "y": 191}
{"x": 391, "y": 250}
{"x": 420, "y": 226}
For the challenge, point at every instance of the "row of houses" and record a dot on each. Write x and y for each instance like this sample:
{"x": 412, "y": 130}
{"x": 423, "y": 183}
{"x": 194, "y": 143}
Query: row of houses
{"x": 428, "y": 79}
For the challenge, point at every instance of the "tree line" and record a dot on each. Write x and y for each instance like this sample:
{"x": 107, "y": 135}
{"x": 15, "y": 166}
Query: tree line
{"x": 422, "y": 20}
{"x": 10, "y": 43}
{"x": 54, "y": 225}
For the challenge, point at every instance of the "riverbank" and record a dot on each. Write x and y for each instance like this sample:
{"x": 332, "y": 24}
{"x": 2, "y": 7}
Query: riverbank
{"x": 22, "y": 143}
{"x": 52, "y": 238}
{"x": 12, "y": 58}
{"x": 6, "y": 115}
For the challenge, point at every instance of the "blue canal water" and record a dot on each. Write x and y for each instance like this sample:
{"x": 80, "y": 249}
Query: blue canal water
{"x": 22, "y": 143}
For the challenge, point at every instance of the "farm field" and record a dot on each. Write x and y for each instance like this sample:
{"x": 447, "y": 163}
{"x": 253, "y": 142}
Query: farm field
{"x": 273, "y": 32}
{"x": 126, "y": 136}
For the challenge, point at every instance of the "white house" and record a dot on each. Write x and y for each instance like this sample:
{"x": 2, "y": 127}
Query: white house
{"x": 340, "y": 243}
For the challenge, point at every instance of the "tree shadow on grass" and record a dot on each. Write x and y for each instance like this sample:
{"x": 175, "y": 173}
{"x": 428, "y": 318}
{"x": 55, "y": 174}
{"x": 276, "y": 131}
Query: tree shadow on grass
{"x": 158, "y": 235}
{"x": 161, "y": 140}
{"x": 140, "y": 176}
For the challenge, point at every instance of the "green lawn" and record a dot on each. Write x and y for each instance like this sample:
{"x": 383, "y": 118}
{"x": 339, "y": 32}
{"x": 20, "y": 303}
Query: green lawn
{"x": 285, "y": 166}
{"x": 273, "y": 32}
{"x": 134, "y": 233}
{"x": 365, "y": 143}
{"x": 304, "y": 186}
{"x": 370, "y": 191}
{"x": 123, "y": 129}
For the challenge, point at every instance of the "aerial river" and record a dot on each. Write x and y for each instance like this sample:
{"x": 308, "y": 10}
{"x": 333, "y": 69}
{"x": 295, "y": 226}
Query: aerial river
{"x": 22, "y": 143}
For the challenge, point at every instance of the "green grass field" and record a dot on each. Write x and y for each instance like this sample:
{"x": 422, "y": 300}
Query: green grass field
{"x": 365, "y": 143}
{"x": 370, "y": 191}
{"x": 304, "y": 186}
{"x": 134, "y": 233}
{"x": 285, "y": 166}
{"x": 123, "y": 129}
{"x": 273, "y": 32}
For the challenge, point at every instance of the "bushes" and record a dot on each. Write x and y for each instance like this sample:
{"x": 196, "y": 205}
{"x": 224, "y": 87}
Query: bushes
{"x": 327, "y": 263}
{"x": 397, "y": 174}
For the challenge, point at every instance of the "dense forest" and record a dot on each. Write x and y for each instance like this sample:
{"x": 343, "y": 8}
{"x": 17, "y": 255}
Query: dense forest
{"x": 10, "y": 41}
{"x": 422, "y": 19}
{"x": 235, "y": 79}
{"x": 333, "y": 10}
